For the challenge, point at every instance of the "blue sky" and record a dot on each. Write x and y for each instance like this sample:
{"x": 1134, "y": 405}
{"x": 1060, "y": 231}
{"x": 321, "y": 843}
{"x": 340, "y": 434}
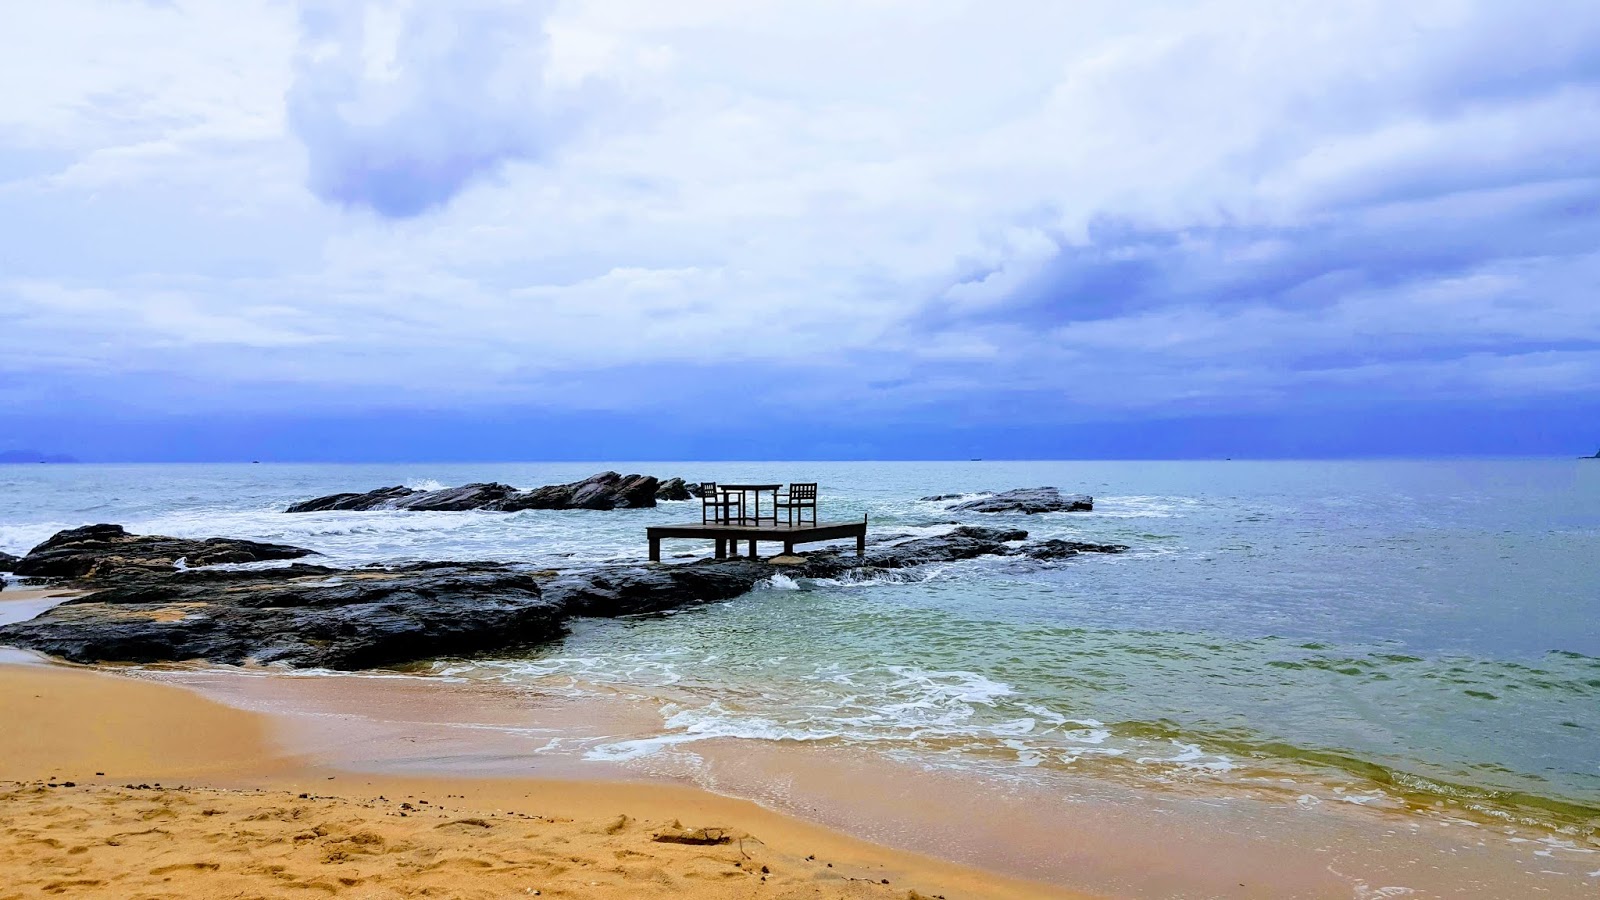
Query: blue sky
{"x": 896, "y": 228}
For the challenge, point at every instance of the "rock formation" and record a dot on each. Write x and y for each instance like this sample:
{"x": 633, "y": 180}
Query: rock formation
{"x": 94, "y": 551}
{"x": 607, "y": 490}
{"x": 1022, "y": 500}
{"x": 141, "y": 608}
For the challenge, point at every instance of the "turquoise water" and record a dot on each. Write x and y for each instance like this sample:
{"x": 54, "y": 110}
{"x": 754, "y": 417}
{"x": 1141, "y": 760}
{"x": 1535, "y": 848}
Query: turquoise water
{"x": 1406, "y": 634}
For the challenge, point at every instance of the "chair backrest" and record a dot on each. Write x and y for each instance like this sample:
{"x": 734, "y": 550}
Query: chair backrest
{"x": 802, "y": 490}
{"x": 708, "y": 491}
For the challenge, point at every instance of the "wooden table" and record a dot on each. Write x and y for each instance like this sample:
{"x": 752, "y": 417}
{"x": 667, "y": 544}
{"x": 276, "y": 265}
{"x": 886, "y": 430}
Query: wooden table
{"x": 746, "y": 491}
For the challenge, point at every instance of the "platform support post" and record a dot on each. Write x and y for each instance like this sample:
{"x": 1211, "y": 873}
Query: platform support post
{"x": 752, "y": 548}
{"x": 655, "y": 549}
{"x": 722, "y": 548}
{"x": 861, "y": 543}
{"x": 788, "y": 548}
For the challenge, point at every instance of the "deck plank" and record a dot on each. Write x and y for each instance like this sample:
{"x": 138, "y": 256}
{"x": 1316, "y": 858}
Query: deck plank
{"x": 734, "y": 532}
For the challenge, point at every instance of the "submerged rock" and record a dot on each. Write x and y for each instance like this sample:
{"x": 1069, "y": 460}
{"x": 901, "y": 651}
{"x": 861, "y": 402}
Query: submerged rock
{"x": 607, "y": 490}
{"x": 1028, "y": 500}
{"x": 95, "y": 551}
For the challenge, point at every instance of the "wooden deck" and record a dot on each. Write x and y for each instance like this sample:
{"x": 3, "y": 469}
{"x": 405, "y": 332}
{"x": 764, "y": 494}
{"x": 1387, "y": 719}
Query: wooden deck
{"x": 728, "y": 535}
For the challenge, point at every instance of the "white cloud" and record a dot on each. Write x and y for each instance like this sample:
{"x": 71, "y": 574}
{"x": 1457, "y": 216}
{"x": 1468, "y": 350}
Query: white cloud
{"x": 1117, "y": 205}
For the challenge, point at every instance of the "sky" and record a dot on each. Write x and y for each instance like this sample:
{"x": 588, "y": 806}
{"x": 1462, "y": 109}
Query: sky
{"x": 627, "y": 229}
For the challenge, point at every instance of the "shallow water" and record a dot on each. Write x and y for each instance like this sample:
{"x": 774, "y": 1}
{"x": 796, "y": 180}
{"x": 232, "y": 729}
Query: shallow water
{"x": 1414, "y": 635}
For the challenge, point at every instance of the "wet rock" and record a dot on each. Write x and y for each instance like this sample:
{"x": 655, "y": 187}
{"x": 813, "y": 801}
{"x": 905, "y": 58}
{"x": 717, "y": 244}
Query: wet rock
{"x": 487, "y": 495}
{"x": 607, "y": 490}
{"x": 95, "y": 551}
{"x": 1029, "y": 501}
{"x": 1059, "y": 549}
{"x": 677, "y": 489}
{"x": 8, "y": 562}
{"x": 299, "y": 616}
{"x": 940, "y": 498}
{"x": 634, "y": 590}
{"x": 965, "y": 542}
{"x": 378, "y": 499}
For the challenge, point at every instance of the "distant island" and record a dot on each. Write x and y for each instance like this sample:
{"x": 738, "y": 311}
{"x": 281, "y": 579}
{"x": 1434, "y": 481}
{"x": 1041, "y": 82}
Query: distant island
{"x": 34, "y": 456}
{"x": 1595, "y": 456}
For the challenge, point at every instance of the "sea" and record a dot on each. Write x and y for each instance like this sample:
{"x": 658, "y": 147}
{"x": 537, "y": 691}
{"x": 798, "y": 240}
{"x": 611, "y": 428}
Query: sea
{"x": 1421, "y": 636}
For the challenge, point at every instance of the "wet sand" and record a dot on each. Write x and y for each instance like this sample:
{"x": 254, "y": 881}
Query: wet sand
{"x": 117, "y": 787}
{"x": 1258, "y": 837}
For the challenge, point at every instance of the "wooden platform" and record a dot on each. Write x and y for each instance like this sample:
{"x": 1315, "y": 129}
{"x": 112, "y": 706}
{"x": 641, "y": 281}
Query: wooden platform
{"x": 728, "y": 535}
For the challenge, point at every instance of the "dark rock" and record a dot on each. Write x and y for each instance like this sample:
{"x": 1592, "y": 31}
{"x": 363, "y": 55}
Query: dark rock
{"x": 677, "y": 489}
{"x": 94, "y": 551}
{"x": 8, "y": 563}
{"x": 942, "y": 497}
{"x": 633, "y": 590}
{"x": 299, "y": 616}
{"x": 1059, "y": 549}
{"x": 378, "y": 499}
{"x": 965, "y": 542}
{"x": 488, "y": 495}
{"x": 607, "y": 490}
{"x": 1028, "y": 500}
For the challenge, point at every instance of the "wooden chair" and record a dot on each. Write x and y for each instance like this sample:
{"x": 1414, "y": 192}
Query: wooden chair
{"x": 801, "y": 497}
{"x": 716, "y": 505}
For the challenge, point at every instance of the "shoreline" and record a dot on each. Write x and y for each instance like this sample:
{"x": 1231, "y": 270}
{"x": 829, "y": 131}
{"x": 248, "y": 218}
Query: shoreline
{"x": 407, "y": 735}
{"x": 248, "y": 815}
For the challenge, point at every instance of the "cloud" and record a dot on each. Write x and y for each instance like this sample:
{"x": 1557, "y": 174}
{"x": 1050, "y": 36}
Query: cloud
{"x": 905, "y": 211}
{"x": 400, "y": 106}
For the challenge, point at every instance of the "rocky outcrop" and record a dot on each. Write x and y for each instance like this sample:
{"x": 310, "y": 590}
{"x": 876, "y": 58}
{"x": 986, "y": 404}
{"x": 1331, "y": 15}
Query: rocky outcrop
{"x": 965, "y": 542}
{"x": 607, "y": 490}
{"x": 377, "y": 499}
{"x": 317, "y": 616}
{"x": 677, "y": 489}
{"x": 303, "y": 616}
{"x": 8, "y": 563}
{"x": 1059, "y": 549}
{"x": 95, "y": 551}
{"x": 1025, "y": 500}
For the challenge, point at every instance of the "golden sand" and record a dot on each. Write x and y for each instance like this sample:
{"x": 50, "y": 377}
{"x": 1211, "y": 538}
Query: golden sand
{"x": 119, "y": 788}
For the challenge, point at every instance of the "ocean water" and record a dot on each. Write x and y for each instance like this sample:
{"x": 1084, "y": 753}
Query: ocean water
{"x": 1421, "y": 636}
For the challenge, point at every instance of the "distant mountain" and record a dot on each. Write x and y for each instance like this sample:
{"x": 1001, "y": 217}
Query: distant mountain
{"x": 34, "y": 456}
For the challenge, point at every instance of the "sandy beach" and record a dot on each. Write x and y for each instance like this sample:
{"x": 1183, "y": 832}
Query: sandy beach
{"x": 113, "y": 787}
